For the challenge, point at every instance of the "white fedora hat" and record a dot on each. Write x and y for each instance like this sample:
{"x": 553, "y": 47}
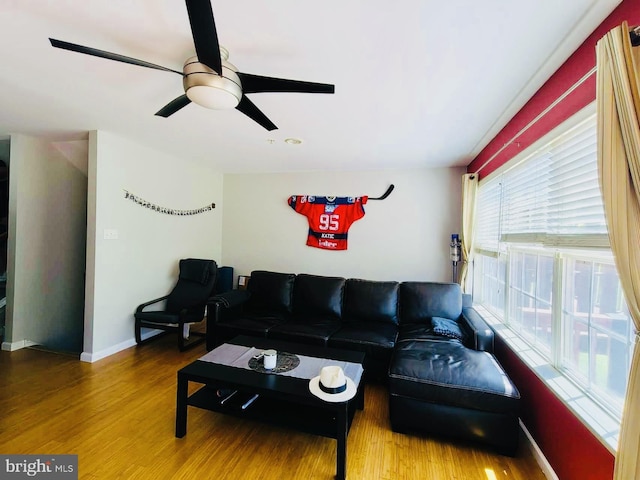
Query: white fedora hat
{"x": 332, "y": 385}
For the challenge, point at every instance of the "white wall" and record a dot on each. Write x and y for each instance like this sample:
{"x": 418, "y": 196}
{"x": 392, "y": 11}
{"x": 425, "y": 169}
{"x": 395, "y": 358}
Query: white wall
{"x": 142, "y": 264}
{"x": 47, "y": 206}
{"x": 405, "y": 237}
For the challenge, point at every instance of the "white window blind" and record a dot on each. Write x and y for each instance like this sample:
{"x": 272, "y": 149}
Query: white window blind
{"x": 488, "y": 215}
{"x": 551, "y": 198}
{"x": 576, "y": 203}
{"x": 526, "y": 198}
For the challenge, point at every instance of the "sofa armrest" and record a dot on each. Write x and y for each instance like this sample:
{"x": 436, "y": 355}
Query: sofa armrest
{"x": 223, "y": 307}
{"x": 226, "y": 306}
{"x": 479, "y": 333}
{"x": 230, "y": 299}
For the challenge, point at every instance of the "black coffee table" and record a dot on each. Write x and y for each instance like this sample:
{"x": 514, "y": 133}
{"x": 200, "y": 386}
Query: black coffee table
{"x": 271, "y": 398}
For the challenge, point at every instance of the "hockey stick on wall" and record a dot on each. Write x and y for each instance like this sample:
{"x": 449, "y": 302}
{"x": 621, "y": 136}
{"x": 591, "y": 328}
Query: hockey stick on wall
{"x": 385, "y": 194}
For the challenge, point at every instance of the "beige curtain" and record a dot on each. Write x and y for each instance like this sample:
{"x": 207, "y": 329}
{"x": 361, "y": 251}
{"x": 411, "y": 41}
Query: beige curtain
{"x": 469, "y": 194}
{"x": 618, "y": 104}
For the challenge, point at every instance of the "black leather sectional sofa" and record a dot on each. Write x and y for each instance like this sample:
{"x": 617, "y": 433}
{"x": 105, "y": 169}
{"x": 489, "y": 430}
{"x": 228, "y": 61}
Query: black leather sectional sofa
{"x": 423, "y": 338}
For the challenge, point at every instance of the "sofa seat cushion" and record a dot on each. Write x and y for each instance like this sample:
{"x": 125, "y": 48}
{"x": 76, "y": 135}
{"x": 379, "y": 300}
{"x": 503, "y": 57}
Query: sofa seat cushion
{"x": 376, "y": 339}
{"x": 429, "y": 331}
{"x": 314, "y": 331}
{"x": 449, "y": 373}
{"x": 256, "y": 324}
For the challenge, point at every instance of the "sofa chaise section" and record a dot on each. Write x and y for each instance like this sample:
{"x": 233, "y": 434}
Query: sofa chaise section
{"x": 443, "y": 377}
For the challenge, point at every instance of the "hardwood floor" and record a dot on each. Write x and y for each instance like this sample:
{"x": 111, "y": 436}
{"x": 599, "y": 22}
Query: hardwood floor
{"x": 118, "y": 416}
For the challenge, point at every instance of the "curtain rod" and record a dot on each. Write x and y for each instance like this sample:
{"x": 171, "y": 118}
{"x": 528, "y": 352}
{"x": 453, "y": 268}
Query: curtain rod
{"x": 634, "y": 35}
{"x": 537, "y": 118}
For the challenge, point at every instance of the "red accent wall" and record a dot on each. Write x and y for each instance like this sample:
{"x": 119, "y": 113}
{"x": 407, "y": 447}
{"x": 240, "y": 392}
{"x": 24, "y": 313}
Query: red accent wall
{"x": 572, "y": 450}
{"x": 579, "y": 64}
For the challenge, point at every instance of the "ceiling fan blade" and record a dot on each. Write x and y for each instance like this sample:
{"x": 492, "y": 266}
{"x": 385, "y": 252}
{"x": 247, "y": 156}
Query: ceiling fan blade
{"x": 205, "y": 36}
{"x": 173, "y": 106}
{"x": 247, "y": 107}
{"x": 108, "y": 55}
{"x": 257, "y": 84}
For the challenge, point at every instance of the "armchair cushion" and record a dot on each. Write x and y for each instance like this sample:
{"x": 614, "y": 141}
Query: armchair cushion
{"x": 192, "y": 295}
{"x": 158, "y": 316}
{"x": 194, "y": 270}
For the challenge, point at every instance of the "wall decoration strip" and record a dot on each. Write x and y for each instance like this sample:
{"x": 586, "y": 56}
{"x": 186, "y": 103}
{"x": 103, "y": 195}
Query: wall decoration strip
{"x": 168, "y": 211}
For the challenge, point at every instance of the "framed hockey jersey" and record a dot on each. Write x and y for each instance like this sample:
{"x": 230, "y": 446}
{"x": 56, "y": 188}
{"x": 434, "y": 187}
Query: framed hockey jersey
{"x": 329, "y": 218}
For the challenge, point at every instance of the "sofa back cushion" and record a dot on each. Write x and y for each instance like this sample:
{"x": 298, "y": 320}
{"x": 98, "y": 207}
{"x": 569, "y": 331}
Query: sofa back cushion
{"x": 420, "y": 301}
{"x": 270, "y": 291}
{"x": 317, "y": 296}
{"x": 370, "y": 301}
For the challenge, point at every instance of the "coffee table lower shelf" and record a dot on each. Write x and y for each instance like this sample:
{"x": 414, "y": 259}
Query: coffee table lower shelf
{"x": 273, "y": 411}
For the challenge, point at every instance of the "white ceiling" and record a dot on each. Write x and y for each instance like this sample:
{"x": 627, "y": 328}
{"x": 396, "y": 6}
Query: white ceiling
{"x": 418, "y": 83}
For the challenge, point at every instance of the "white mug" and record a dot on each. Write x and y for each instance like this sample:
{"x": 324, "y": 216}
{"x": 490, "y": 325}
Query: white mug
{"x": 270, "y": 358}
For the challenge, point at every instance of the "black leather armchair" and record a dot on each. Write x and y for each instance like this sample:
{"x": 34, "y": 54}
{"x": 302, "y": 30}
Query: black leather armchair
{"x": 184, "y": 305}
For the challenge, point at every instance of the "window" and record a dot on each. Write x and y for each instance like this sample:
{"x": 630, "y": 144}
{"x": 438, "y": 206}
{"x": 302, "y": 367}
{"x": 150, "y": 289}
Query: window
{"x": 529, "y": 294}
{"x": 598, "y": 332}
{"x": 544, "y": 268}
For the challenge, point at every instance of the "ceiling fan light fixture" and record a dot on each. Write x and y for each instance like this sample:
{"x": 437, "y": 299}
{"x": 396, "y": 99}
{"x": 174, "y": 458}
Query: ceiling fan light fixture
{"x": 206, "y": 88}
{"x": 212, "y": 97}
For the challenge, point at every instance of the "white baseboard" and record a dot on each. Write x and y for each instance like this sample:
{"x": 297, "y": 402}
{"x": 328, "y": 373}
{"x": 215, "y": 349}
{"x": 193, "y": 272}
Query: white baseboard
{"x": 94, "y": 357}
{"x": 13, "y": 346}
{"x": 84, "y": 356}
{"x": 546, "y": 468}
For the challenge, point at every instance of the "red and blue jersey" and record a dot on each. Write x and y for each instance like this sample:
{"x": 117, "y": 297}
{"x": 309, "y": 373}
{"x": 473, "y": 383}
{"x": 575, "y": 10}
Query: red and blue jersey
{"x": 329, "y": 218}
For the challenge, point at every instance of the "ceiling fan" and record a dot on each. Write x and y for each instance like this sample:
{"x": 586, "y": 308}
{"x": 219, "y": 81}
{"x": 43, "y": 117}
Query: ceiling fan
{"x": 208, "y": 78}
